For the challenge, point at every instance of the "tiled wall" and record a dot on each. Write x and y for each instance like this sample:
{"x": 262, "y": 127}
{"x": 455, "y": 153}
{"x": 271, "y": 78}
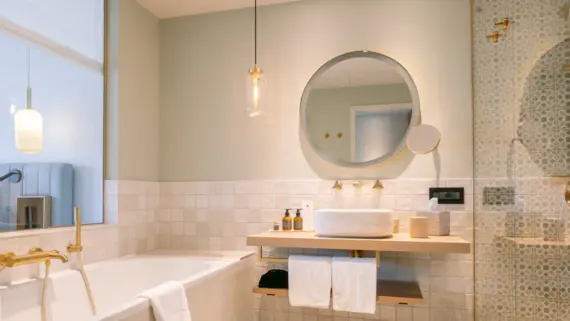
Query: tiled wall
{"x": 130, "y": 229}
{"x": 521, "y": 137}
{"x": 219, "y": 215}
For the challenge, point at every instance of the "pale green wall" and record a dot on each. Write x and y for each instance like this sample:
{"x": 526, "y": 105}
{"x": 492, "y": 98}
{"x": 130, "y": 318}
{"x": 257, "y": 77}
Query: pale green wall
{"x": 133, "y": 93}
{"x": 204, "y": 132}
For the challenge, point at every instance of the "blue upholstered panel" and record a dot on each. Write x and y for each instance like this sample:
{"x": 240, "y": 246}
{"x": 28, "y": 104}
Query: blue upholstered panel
{"x": 48, "y": 179}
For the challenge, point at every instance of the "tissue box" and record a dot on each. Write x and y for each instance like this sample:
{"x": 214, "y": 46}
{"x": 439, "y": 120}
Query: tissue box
{"x": 438, "y": 222}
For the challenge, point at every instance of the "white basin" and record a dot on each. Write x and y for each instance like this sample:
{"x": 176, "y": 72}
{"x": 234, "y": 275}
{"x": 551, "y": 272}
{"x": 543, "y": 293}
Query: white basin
{"x": 353, "y": 223}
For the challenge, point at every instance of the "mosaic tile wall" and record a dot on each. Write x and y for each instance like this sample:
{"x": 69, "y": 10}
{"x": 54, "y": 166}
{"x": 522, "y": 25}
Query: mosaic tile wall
{"x": 219, "y": 215}
{"x": 521, "y": 139}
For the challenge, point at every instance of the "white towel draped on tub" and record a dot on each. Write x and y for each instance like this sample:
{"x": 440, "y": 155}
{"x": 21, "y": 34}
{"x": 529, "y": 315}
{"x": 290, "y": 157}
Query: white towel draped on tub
{"x": 169, "y": 302}
{"x": 309, "y": 281}
{"x": 354, "y": 284}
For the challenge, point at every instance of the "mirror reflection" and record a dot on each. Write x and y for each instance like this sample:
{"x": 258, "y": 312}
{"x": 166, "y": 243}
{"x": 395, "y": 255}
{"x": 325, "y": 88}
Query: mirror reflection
{"x": 358, "y": 108}
{"x": 51, "y": 113}
{"x": 544, "y": 124}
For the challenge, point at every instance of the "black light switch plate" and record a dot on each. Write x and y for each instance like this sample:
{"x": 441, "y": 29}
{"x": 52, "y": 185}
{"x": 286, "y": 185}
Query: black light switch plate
{"x": 448, "y": 195}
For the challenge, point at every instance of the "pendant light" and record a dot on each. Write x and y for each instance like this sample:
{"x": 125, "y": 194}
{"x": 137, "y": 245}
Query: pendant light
{"x": 255, "y": 79}
{"x": 28, "y": 124}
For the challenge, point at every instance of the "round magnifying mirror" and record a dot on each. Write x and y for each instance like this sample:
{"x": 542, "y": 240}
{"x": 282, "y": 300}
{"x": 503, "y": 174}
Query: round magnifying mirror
{"x": 423, "y": 139}
{"x": 358, "y": 109}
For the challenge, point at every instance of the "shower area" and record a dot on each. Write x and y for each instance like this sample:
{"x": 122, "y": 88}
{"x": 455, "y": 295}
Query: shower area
{"x": 521, "y": 76}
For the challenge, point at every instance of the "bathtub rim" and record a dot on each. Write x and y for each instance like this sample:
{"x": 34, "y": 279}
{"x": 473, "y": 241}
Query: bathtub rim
{"x": 137, "y": 305}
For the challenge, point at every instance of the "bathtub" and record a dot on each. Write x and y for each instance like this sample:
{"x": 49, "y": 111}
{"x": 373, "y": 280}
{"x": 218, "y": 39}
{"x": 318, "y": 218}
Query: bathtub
{"x": 218, "y": 286}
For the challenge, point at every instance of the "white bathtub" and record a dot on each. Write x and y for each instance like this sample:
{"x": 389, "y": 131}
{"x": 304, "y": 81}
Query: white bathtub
{"x": 218, "y": 286}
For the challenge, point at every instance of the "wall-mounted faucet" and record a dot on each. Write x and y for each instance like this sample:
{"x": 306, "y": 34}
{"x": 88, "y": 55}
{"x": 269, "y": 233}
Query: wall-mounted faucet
{"x": 35, "y": 255}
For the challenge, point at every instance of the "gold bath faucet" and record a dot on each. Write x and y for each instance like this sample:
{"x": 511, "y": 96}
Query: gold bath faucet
{"x": 35, "y": 255}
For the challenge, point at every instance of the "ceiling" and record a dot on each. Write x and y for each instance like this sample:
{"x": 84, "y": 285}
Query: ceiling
{"x": 164, "y": 9}
{"x": 358, "y": 72}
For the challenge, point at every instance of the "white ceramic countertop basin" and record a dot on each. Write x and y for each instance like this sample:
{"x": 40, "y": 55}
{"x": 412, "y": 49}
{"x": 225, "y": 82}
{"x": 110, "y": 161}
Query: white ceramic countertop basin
{"x": 365, "y": 223}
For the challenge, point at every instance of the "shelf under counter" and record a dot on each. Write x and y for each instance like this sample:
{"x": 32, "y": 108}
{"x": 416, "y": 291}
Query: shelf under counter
{"x": 399, "y": 292}
{"x": 400, "y": 242}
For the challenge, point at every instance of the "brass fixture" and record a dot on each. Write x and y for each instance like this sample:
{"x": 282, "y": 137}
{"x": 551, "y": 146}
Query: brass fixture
{"x": 357, "y": 184}
{"x": 78, "y": 248}
{"x": 339, "y": 135}
{"x": 378, "y": 186}
{"x": 567, "y": 192}
{"x": 327, "y": 135}
{"x": 337, "y": 186}
{"x": 495, "y": 36}
{"x": 504, "y": 23}
{"x": 75, "y": 248}
{"x": 356, "y": 254}
{"x": 35, "y": 255}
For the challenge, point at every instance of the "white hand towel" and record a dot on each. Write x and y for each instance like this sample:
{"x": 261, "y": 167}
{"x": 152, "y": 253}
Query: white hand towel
{"x": 354, "y": 284}
{"x": 310, "y": 281}
{"x": 169, "y": 302}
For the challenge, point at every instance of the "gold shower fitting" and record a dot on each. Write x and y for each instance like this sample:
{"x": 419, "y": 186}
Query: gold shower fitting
{"x": 504, "y": 23}
{"x": 78, "y": 249}
{"x": 495, "y": 36}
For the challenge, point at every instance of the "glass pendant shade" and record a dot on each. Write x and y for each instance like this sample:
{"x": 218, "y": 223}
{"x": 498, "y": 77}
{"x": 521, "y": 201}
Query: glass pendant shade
{"x": 255, "y": 87}
{"x": 28, "y": 125}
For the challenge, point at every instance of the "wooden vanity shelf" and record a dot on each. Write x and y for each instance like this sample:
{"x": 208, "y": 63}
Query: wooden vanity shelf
{"x": 399, "y": 292}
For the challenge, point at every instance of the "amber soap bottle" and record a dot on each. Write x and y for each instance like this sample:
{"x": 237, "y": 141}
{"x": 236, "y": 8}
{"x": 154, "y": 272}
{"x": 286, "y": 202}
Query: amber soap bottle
{"x": 287, "y": 223}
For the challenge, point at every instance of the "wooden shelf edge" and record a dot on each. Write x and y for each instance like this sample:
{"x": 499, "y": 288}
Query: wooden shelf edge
{"x": 400, "y": 242}
{"x": 398, "y": 292}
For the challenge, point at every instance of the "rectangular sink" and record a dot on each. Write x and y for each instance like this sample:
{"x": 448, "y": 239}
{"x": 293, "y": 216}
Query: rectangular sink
{"x": 364, "y": 223}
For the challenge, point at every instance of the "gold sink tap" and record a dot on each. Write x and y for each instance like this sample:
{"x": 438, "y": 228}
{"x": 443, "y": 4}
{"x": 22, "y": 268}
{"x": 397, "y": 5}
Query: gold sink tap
{"x": 35, "y": 255}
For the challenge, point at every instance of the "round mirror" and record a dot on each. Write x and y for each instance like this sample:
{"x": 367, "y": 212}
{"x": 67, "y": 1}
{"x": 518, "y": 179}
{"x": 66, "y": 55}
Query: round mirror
{"x": 358, "y": 109}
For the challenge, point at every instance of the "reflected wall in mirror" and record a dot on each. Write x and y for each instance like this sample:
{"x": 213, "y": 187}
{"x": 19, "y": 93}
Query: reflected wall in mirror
{"x": 58, "y": 52}
{"x": 544, "y": 124}
{"x": 367, "y": 98}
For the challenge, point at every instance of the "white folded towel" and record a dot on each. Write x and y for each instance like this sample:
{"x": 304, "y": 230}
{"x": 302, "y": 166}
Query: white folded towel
{"x": 310, "y": 281}
{"x": 354, "y": 284}
{"x": 169, "y": 302}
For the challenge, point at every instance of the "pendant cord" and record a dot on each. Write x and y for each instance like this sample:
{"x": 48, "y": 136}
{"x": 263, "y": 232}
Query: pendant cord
{"x": 29, "y": 88}
{"x": 255, "y": 33}
{"x": 29, "y": 67}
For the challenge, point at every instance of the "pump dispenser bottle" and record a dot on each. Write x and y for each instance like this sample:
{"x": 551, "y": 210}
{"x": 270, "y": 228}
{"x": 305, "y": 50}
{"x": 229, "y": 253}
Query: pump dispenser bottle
{"x": 287, "y": 223}
{"x": 298, "y": 221}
